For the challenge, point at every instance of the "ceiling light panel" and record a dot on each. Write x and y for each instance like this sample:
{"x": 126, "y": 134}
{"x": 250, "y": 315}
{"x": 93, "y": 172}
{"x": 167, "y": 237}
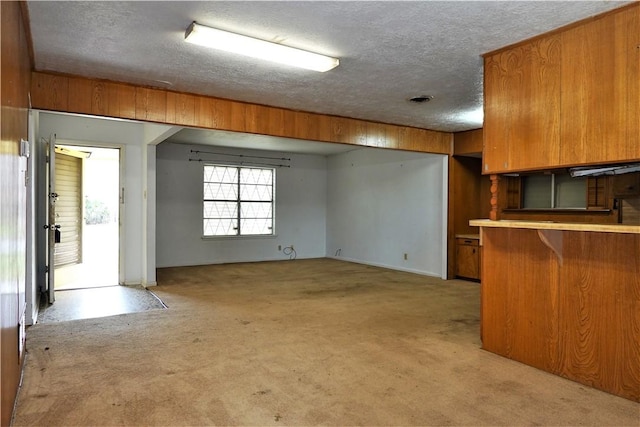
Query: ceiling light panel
{"x": 256, "y": 48}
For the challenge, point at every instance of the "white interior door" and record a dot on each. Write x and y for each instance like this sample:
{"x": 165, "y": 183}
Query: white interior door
{"x": 51, "y": 226}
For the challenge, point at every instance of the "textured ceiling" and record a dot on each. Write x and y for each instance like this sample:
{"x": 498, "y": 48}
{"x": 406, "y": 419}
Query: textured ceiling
{"x": 389, "y": 51}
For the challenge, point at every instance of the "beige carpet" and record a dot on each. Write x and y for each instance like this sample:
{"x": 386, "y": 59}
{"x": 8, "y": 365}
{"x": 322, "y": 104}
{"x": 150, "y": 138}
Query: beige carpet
{"x": 306, "y": 342}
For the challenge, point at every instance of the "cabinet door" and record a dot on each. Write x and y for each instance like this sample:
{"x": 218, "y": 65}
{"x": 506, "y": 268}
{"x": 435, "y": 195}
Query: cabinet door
{"x": 522, "y": 107}
{"x": 468, "y": 259}
{"x": 600, "y": 90}
{"x": 627, "y": 185}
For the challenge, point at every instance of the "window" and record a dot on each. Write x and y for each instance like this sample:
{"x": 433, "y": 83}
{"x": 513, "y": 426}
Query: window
{"x": 238, "y": 201}
{"x": 554, "y": 191}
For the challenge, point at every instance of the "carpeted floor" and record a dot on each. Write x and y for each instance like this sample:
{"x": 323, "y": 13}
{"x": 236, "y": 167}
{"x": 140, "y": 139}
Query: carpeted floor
{"x": 305, "y": 342}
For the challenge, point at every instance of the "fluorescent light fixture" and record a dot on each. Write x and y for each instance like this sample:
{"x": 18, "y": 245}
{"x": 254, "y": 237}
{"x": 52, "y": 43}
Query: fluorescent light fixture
{"x": 604, "y": 170}
{"x": 256, "y": 48}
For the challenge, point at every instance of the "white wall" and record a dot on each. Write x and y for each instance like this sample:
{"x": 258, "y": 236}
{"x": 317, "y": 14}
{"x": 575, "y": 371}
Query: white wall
{"x": 382, "y": 204}
{"x": 374, "y": 205}
{"x": 300, "y": 211}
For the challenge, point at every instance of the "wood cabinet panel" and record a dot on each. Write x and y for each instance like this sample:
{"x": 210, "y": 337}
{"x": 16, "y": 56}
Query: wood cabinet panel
{"x": 568, "y": 98}
{"x": 468, "y": 258}
{"x": 519, "y": 297}
{"x": 522, "y": 106}
{"x": 600, "y": 90}
{"x": 626, "y": 185}
{"x": 599, "y": 311}
{"x": 628, "y": 58}
{"x": 567, "y": 302}
{"x": 88, "y": 96}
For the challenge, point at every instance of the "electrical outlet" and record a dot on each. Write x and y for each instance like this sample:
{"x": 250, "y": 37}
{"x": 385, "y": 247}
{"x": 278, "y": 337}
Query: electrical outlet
{"x": 406, "y": 257}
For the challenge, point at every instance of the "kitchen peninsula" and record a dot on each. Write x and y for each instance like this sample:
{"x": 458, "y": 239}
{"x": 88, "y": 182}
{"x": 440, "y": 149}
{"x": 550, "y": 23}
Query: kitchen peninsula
{"x": 562, "y": 292}
{"x": 564, "y": 298}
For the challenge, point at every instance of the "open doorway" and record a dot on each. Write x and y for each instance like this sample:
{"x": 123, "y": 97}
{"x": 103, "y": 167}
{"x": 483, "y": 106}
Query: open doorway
{"x": 87, "y": 185}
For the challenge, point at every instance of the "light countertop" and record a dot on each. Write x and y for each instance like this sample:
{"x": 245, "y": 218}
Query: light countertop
{"x": 552, "y": 225}
{"x": 468, "y": 236}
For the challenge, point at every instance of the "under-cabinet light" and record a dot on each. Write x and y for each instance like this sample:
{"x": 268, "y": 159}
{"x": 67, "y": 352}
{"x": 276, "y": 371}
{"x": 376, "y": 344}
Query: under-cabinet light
{"x": 256, "y": 48}
{"x": 604, "y": 170}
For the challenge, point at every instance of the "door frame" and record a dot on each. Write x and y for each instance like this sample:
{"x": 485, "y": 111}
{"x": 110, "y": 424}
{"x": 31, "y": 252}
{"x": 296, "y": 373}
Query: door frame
{"x": 121, "y": 205}
{"x": 41, "y": 209}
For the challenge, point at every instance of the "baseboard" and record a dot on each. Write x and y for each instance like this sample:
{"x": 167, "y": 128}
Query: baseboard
{"x": 214, "y": 262}
{"x": 138, "y": 283}
{"x": 390, "y": 267}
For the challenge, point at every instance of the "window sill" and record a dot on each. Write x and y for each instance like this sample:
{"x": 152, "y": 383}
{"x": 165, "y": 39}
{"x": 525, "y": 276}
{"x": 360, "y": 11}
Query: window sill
{"x": 250, "y": 236}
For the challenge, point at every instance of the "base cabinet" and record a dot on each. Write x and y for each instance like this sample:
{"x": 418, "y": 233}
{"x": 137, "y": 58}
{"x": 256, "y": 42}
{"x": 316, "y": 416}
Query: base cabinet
{"x": 468, "y": 258}
{"x": 567, "y": 302}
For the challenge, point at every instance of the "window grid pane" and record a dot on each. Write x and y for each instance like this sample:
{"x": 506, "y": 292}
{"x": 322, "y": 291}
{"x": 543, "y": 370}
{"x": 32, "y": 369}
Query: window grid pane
{"x": 554, "y": 191}
{"x": 537, "y": 191}
{"x": 570, "y": 192}
{"x": 237, "y": 201}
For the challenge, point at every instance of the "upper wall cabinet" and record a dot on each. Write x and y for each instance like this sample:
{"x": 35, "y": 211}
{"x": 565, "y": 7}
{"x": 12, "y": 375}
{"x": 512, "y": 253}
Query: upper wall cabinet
{"x": 600, "y": 95}
{"x": 568, "y": 98}
{"x": 522, "y": 106}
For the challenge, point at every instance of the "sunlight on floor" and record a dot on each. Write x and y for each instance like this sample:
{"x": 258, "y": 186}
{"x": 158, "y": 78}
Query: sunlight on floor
{"x": 100, "y": 264}
{"x": 98, "y": 302}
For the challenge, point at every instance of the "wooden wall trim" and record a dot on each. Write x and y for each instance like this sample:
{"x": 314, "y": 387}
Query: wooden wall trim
{"x": 75, "y": 94}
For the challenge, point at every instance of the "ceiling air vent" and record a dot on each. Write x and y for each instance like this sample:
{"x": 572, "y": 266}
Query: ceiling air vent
{"x": 420, "y": 99}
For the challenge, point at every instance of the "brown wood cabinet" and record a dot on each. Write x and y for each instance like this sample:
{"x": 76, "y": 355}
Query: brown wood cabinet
{"x": 522, "y": 106}
{"x": 468, "y": 257}
{"x": 565, "y": 302}
{"x": 571, "y": 97}
{"x": 626, "y": 185}
{"x": 600, "y": 96}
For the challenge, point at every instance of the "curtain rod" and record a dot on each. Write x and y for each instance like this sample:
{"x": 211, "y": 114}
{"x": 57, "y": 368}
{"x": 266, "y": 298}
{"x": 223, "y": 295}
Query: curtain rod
{"x": 239, "y": 155}
{"x": 241, "y": 163}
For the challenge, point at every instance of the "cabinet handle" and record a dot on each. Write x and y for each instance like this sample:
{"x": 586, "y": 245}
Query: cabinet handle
{"x": 474, "y": 251}
{"x": 468, "y": 241}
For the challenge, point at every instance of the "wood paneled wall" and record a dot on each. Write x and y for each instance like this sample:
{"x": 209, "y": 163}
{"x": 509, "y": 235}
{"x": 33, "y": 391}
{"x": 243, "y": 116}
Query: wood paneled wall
{"x": 469, "y": 191}
{"x": 570, "y": 307}
{"x": 468, "y": 143}
{"x": 16, "y": 76}
{"x": 103, "y": 98}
